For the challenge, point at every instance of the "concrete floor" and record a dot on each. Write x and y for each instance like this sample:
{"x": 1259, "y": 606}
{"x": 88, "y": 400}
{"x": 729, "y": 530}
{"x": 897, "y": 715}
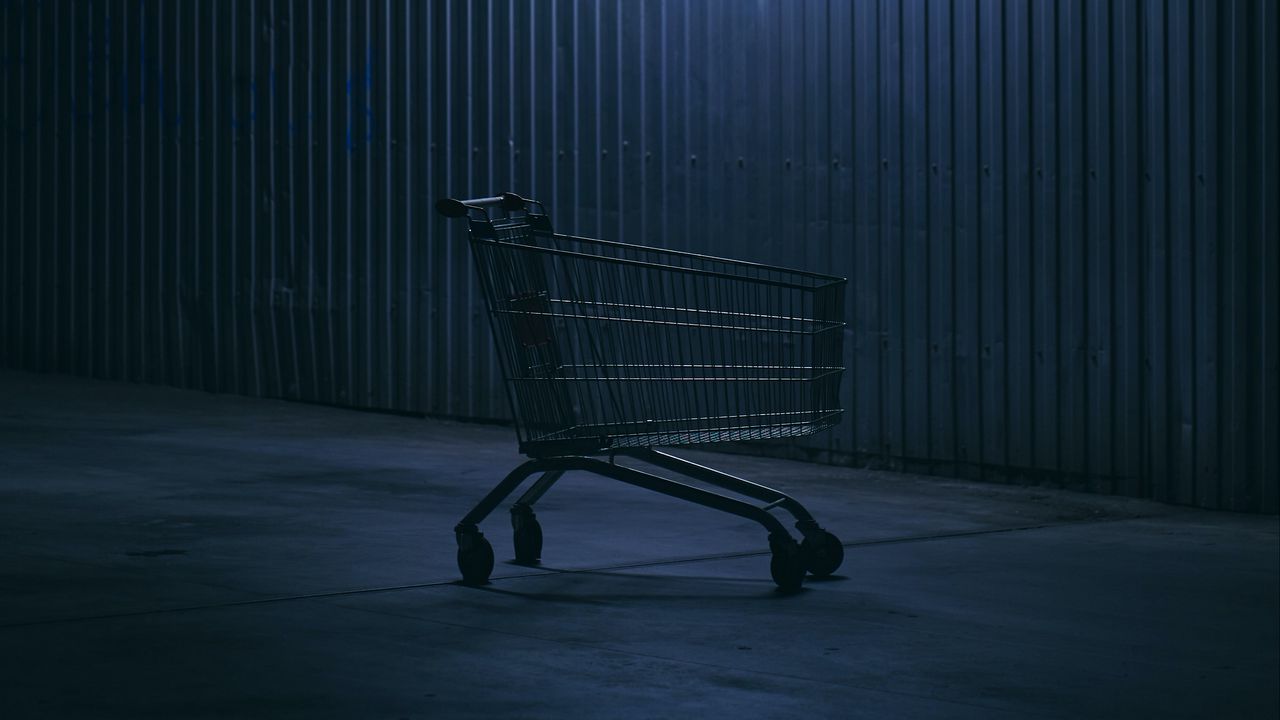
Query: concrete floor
{"x": 176, "y": 554}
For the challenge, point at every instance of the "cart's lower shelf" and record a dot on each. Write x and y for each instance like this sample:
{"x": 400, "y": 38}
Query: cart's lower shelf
{"x": 684, "y": 431}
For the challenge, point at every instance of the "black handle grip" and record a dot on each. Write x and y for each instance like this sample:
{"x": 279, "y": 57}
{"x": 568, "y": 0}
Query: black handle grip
{"x": 458, "y": 208}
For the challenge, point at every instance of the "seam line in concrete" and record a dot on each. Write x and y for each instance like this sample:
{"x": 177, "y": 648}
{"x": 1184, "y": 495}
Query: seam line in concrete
{"x": 551, "y": 571}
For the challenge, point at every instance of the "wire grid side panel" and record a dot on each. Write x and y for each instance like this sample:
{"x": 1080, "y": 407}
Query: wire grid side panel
{"x": 516, "y": 286}
{"x": 601, "y": 341}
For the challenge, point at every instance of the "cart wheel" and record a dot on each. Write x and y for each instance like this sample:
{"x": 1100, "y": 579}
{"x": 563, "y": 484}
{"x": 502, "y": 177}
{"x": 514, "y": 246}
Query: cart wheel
{"x": 787, "y": 565}
{"x": 528, "y": 539}
{"x": 475, "y": 558}
{"x": 822, "y": 552}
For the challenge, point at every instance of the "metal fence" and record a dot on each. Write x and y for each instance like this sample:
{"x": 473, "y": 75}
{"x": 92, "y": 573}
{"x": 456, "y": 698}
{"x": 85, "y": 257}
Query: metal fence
{"x": 1058, "y": 218}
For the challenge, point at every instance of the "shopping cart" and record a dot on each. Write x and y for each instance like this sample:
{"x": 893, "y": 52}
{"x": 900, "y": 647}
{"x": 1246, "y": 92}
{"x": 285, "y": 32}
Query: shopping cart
{"x": 611, "y": 349}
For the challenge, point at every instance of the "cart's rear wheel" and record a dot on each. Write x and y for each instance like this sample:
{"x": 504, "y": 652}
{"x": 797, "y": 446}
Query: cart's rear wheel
{"x": 475, "y": 558}
{"x": 823, "y": 553}
{"x": 787, "y": 564}
{"x": 527, "y": 537}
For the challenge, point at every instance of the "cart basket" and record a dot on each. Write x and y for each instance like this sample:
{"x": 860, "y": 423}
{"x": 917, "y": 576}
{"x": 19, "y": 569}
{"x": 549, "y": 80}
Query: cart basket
{"x": 607, "y": 345}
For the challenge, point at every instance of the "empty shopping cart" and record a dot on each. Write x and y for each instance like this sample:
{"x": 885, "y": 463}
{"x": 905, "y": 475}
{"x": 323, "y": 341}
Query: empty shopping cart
{"x": 610, "y": 350}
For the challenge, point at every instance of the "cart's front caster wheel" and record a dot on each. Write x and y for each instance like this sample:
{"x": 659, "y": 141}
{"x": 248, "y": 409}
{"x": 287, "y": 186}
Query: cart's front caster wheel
{"x": 787, "y": 565}
{"x": 527, "y": 536}
{"x": 475, "y": 557}
{"x": 823, "y": 552}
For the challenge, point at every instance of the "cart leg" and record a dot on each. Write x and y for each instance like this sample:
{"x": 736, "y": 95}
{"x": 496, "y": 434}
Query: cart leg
{"x": 788, "y": 564}
{"x": 526, "y": 531}
{"x": 475, "y": 554}
{"x": 505, "y": 488}
{"x": 823, "y": 552}
{"x": 679, "y": 490}
{"x": 540, "y": 488}
{"x": 724, "y": 480}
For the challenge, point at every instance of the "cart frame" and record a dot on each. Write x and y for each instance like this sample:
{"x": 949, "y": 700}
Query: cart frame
{"x": 820, "y": 553}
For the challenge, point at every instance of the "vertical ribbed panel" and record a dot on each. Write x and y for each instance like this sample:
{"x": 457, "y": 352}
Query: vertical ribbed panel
{"x": 1058, "y": 218}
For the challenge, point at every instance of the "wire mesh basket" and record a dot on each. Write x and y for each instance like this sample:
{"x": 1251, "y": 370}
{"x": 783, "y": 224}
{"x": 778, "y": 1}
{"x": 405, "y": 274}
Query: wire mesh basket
{"x": 607, "y": 345}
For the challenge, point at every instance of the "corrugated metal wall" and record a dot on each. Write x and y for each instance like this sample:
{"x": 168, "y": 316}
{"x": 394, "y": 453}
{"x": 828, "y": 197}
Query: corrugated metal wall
{"x": 1058, "y": 217}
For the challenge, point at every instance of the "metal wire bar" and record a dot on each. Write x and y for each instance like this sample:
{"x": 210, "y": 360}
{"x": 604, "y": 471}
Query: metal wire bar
{"x": 724, "y": 480}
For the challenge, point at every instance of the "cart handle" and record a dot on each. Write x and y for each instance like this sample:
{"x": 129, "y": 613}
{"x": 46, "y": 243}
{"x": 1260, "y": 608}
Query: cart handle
{"x": 458, "y": 208}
